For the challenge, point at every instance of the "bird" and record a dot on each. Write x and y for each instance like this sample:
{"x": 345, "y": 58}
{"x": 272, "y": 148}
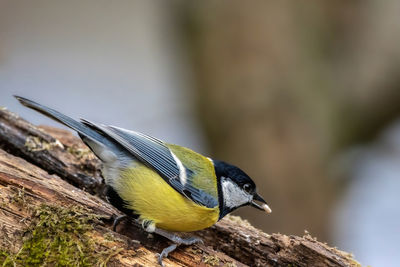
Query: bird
{"x": 168, "y": 188}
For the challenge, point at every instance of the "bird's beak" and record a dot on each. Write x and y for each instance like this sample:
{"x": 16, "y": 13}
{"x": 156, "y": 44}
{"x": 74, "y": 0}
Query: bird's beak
{"x": 263, "y": 206}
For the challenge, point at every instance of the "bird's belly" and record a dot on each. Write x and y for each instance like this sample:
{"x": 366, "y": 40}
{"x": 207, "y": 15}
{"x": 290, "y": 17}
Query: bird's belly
{"x": 149, "y": 196}
{"x": 183, "y": 219}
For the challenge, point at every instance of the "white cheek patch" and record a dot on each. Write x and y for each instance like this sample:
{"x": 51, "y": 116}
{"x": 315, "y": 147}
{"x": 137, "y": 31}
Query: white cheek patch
{"x": 233, "y": 195}
{"x": 182, "y": 169}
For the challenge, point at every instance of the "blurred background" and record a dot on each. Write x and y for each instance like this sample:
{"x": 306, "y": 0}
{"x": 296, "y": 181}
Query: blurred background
{"x": 304, "y": 98}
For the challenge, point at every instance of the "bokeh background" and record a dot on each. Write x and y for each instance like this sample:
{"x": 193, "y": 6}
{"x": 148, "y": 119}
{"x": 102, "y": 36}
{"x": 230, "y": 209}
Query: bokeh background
{"x": 304, "y": 98}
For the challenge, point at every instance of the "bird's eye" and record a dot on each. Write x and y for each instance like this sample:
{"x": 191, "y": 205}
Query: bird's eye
{"x": 247, "y": 188}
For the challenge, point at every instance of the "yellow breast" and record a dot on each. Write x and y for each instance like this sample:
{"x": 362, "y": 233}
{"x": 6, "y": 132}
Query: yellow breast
{"x": 153, "y": 199}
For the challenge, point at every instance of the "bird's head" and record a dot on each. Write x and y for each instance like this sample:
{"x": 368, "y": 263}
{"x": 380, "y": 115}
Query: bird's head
{"x": 236, "y": 189}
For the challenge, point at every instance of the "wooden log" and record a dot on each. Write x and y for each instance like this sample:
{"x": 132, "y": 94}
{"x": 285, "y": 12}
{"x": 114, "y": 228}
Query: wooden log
{"x": 31, "y": 153}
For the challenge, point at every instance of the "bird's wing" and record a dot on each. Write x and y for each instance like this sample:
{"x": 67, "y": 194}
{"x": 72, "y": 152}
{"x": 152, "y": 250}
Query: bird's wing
{"x": 202, "y": 172}
{"x": 158, "y": 156}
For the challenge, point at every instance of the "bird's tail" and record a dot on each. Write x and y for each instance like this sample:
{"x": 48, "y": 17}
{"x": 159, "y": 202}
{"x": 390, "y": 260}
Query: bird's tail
{"x": 81, "y": 128}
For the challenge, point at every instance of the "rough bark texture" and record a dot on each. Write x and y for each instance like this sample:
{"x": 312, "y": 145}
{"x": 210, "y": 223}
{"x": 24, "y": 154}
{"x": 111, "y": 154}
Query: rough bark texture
{"x": 32, "y": 161}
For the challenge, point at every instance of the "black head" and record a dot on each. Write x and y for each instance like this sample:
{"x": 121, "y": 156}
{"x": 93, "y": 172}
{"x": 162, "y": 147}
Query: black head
{"x": 236, "y": 189}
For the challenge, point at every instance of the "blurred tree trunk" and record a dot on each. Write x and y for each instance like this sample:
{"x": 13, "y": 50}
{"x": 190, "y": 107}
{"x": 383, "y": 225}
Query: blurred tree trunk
{"x": 282, "y": 88}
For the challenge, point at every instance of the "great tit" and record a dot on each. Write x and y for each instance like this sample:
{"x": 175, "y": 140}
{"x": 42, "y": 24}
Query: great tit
{"x": 169, "y": 188}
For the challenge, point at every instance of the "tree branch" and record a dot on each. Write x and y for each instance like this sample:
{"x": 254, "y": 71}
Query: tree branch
{"x": 26, "y": 187}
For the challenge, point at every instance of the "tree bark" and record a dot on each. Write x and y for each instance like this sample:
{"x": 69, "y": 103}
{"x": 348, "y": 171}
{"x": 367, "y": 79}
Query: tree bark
{"x": 42, "y": 166}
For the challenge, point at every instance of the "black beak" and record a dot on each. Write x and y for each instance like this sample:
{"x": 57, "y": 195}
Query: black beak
{"x": 263, "y": 206}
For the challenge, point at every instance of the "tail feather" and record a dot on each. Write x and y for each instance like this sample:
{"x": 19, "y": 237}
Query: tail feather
{"x": 82, "y": 129}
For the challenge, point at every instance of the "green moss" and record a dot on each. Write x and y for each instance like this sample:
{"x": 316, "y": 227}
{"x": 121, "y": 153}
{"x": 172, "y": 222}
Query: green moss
{"x": 59, "y": 237}
{"x": 6, "y": 259}
{"x": 18, "y": 197}
{"x": 79, "y": 153}
{"x": 195, "y": 250}
{"x": 110, "y": 237}
{"x": 34, "y": 144}
{"x": 211, "y": 260}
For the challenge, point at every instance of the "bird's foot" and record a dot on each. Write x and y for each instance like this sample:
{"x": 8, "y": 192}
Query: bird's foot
{"x": 117, "y": 221}
{"x": 187, "y": 241}
{"x": 165, "y": 252}
{"x": 177, "y": 241}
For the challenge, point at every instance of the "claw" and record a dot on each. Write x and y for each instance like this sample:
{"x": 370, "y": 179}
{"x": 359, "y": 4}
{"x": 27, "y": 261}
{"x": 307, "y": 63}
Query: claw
{"x": 165, "y": 253}
{"x": 177, "y": 241}
{"x": 117, "y": 221}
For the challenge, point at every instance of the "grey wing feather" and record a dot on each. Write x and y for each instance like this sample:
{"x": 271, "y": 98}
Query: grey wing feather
{"x": 148, "y": 150}
{"x": 151, "y": 150}
{"x": 195, "y": 194}
{"x": 83, "y": 130}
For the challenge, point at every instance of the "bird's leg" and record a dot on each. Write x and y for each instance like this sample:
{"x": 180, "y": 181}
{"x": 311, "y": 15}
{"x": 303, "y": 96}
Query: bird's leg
{"x": 149, "y": 226}
{"x": 177, "y": 241}
{"x": 104, "y": 192}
